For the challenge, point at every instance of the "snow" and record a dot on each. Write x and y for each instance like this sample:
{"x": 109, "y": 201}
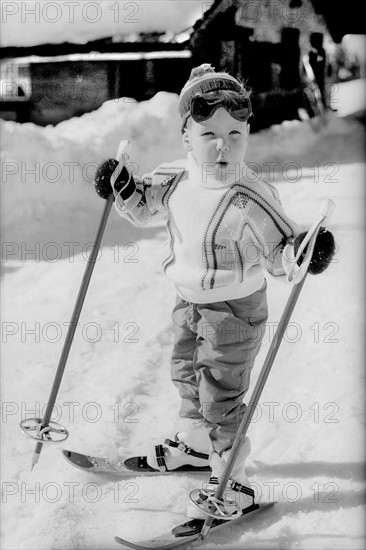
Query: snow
{"x": 116, "y": 397}
{"x": 32, "y": 22}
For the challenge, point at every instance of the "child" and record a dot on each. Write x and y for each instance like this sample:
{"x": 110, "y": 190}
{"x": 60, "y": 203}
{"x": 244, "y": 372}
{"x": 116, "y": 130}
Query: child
{"x": 224, "y": 226}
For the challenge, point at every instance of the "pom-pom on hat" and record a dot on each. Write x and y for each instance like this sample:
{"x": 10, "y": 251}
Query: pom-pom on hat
{"x": 205, "y": 79}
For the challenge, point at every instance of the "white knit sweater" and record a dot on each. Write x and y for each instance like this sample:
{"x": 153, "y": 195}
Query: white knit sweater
{"x": 221, "y": 236}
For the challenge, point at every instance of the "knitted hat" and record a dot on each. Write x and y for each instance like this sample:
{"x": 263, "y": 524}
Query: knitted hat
{"x": 205, "y": 79}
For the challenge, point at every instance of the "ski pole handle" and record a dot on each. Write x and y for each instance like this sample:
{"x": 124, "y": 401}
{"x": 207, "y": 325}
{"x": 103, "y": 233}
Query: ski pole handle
{"x": 328, "y": 210}
{"x": 325, "y": 214}
{"x": 123, "y": 155}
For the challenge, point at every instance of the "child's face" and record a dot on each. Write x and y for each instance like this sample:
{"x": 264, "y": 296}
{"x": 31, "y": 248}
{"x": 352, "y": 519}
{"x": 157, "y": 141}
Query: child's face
{"x": 218, "y": 144}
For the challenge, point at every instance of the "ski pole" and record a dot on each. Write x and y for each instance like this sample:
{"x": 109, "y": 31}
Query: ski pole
{"x": 310, "y": 238}
{"x": 43, "y": 428}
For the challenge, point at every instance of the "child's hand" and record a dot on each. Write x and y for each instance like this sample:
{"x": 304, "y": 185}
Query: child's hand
{"x": 124, "y": 185}
{"x": 323, "y": 251}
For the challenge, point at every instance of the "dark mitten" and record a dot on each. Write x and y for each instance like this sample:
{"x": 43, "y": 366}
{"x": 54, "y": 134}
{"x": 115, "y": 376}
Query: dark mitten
{"x": 124, "y": 184}
{"x": 323, "y": 251}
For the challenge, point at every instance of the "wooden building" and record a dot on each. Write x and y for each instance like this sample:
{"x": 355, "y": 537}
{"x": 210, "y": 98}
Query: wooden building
{"x": 260, "y": 41}
{"x": 58, "y": 87}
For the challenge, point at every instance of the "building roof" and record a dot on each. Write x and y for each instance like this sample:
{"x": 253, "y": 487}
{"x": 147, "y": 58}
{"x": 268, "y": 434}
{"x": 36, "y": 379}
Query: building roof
{"x": 97, "y": 56}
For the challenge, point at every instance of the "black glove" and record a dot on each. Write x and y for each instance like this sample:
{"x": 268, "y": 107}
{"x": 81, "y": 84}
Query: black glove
{"x": 124, "y": 184}
{"x": 324, "y": 250}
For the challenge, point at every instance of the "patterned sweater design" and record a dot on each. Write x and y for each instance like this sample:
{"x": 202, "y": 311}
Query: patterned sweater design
{"x": 220, "y": 238}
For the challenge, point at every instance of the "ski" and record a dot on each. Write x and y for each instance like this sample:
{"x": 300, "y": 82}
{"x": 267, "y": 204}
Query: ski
{"x": 176, "y": 538}
{"x": 129, "y": 467}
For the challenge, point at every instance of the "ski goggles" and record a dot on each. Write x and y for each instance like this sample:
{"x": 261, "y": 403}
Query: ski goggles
{"x": 204, "y": 106}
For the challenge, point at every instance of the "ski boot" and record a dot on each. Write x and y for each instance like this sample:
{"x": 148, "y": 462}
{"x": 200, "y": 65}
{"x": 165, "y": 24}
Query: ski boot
{"x": 188, "y": 451}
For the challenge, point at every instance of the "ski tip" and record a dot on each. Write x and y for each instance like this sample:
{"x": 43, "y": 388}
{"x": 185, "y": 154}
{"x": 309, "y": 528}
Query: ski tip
{"x": 160, "y": 543}
{"x": 77, "y": 459}
{"x": 120, "y": 541}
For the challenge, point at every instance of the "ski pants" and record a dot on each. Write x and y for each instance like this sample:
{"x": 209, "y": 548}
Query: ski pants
{"x": 214, "y": 351}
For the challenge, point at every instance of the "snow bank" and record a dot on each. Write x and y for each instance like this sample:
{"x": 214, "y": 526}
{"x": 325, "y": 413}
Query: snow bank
{"x": 47, "y": 185}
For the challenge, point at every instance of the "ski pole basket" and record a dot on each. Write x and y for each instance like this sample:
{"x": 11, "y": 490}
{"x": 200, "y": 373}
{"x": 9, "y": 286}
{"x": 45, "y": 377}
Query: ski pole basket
{"x": 52, "y": 433}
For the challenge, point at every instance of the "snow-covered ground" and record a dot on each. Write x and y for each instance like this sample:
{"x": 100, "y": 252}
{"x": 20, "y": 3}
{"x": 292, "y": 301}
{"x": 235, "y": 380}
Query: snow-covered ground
{"x": 116, "y": 397}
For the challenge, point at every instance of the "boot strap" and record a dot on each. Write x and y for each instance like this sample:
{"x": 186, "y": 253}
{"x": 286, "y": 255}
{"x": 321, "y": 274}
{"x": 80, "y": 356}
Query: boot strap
{"x": 160, "y": 458}
{"x": 234, "y": 485}
{"x": 185, "y": 449}
{"x": 238, "y": 487}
